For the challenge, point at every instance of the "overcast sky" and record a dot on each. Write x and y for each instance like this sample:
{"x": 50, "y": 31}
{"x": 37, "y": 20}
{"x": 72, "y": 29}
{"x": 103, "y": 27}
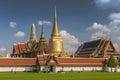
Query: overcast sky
{"x": 78, "y": 21}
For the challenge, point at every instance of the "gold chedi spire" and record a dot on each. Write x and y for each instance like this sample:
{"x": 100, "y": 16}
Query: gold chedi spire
{"x": 55, "y": 42}
{"x": 33, "y": 33}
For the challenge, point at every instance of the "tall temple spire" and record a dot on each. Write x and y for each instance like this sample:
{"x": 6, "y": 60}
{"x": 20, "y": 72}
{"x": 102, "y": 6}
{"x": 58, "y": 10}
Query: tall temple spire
{"x": 55, "y": 42}
{"x": 55, "y": 31}
{"x": 33, "y": 33}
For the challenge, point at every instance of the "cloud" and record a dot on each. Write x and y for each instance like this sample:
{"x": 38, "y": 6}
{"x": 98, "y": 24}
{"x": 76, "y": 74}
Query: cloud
{"x": 70, "y": 42}
{"x": 116, "y": 46}
{"x": 113, "y": 16}
{"x": 105, "y": 4}
{"x": 111, "y": 30}
{"x": 12, "y": 24}
{"x": 44, "y": 22}
{"x": 99, "y": 27}
{"x": 19, "y": 34}
{"x": 102, "y": 1}
{"x": 2, "y": 49}
{"x": 98, "y": 35}
{"x": 100, "y": 30}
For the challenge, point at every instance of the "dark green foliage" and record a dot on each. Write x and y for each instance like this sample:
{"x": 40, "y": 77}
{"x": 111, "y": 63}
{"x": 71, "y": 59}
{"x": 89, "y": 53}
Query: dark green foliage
{"x": 112, "y": 61}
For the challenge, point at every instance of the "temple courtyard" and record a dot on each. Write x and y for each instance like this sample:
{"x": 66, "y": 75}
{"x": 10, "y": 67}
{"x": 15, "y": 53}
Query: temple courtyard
{"x": 60, "y": 76}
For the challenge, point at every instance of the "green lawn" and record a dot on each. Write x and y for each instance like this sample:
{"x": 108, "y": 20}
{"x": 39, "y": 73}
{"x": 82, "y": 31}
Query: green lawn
{"x": 61, "y": 76}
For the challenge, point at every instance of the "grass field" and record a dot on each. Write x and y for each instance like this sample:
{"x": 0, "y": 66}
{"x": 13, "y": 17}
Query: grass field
{"x": 60, "y": 76}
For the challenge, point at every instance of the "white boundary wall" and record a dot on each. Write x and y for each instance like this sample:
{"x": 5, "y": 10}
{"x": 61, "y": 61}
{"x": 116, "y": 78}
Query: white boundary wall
{"x": 117, "y": 69}
{"x": 59, "y": 68}
{"x": 14, "y": 69}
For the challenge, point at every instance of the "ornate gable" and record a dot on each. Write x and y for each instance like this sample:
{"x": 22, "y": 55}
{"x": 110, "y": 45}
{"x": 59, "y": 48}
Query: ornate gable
{"x": 110, "y": 47}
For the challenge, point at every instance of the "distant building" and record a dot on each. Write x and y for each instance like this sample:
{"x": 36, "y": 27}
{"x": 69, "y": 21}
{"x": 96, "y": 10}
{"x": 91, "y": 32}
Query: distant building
{"x": 100, "y": 48}
{"x": 31, "y": 48}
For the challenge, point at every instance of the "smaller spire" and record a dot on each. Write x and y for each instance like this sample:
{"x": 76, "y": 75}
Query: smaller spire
{"x": 7, "y": 55}
{"x": 42, "y": 45}
{"x": 33, "y": 33}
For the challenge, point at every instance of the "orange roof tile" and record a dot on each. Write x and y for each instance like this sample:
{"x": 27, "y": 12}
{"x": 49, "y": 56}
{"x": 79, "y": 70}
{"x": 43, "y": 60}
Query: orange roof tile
{"x": 83, "y": 64}
{"x": 66, "y": 60}
{"x": 17, "y": 62}
{"x": 16, "y": 48}
{"x": 42, "y": 62}
{"x": 22, "y": 46}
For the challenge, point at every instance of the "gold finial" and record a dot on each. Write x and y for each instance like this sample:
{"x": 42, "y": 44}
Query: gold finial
{"x": 33, "y": 33}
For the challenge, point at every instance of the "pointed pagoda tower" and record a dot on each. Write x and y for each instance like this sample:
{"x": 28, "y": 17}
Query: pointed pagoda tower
{"x": 55, "y": 42}
{"x": 6, "y": 54}
{"x": 33, "y": 33}
{"x": 32, "y": 43}
{"x": 42, "y": 45}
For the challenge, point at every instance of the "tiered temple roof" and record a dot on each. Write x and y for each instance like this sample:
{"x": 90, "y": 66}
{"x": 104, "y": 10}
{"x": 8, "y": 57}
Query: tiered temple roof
{"x": 95, "y": 48}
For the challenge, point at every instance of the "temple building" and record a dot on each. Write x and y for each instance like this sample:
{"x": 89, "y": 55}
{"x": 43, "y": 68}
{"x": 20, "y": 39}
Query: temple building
{"x": 31, "y": 48}
{"x": 100, "y": 48}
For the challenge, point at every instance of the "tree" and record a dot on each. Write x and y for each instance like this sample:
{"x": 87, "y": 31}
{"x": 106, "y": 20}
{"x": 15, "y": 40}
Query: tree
{"x": 112, "y": 62}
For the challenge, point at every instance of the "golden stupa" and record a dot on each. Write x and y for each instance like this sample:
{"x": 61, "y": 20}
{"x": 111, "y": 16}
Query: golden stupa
{"x": 55, "y": 42}
{"x": 33, "y": 34}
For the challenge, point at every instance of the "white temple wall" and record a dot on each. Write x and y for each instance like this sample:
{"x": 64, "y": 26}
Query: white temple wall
{"x": 14, "y": 69}
{"x": 117, "y": 69}
{"x": 59, "y": 68}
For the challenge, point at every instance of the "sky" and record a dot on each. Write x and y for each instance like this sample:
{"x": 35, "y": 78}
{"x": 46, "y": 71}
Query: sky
{"x": 78, "y": 20}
